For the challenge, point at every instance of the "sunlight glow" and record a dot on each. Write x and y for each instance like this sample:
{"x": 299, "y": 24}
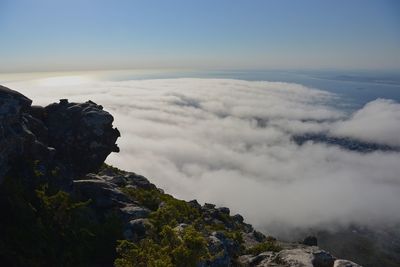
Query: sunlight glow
{"x": 64, "y": 80}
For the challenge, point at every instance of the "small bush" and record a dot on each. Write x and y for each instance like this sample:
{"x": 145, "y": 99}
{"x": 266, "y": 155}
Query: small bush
{"x": 173, "y": 249}
{"x": 56, "y": 230}
{"x": 262, "y": 247}
{"x": 151, "y": 198}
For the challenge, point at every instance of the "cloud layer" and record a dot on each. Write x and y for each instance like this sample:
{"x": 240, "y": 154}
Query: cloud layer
{"x": 229, "y": 142}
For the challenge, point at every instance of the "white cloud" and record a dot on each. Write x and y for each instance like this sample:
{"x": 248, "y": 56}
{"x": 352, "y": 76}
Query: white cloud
{"x": 228, "y": 142}
{"x": 378, "y": 121}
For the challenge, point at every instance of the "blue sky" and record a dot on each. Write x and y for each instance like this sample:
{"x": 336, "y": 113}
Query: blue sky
{"x": 46, "y": 35}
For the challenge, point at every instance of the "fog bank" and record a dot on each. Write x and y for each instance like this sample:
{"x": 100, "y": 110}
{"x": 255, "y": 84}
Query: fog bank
{"x": 229, "y": 142}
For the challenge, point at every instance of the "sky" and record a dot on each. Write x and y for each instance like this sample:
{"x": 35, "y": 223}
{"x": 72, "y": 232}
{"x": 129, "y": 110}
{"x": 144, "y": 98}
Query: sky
{"x": 58, "y": 35}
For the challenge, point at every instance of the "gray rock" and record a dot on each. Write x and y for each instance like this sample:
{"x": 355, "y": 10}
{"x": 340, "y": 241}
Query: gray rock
{"x": 132, "y": 212}
{"x": 260, "y": 237}
{"x": 82, "y": 134}
{"x": 12, "y": 131}
{"x": 295, "y": 257}
{"x": 223, "y": 249}
{"x": 323, "y": 259}
{"x": 304, "y": 256}
{"x": 238, "y": 218}
{"x": 75, "y": 138}
{"x": 310, "y": 241}
{"x": 137, "y": 229}
{"x": 208, "y": 206}
{"x": 224, "y": 210}
{"x": 115, "y": 179}
{"x": 139, "y": 181}
{"x": 262, "y": 259}
{"x": 195, "y": 204}
{"x": 345, "y": 263}
{"x": 17, "y": 139}
{"x": 104, "y": 195}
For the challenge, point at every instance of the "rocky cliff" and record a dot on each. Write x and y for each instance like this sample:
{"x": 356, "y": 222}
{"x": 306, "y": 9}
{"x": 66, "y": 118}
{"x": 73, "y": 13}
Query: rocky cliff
{"x": 62, "y": 206}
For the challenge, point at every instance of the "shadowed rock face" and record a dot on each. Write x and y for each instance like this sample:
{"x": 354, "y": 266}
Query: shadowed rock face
{"x": 15, "y": 138}
{"x": 82, "y": 134}
{"x": 77, "y": 136}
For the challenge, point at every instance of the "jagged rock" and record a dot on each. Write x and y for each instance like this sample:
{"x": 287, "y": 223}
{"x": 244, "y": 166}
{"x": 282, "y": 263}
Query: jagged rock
{"x": 223, "y": 249}
{"x": 322, "y": 259}
{"x": 262, "y": 259}
{"x": 14, "y": 134}
{"x": 224, "y": 210}
{"x": 104, "y": 195}
{"x": 260, "y": 237}
{"x": 310, "y": 241}
{"x": 238, "y": 218}
{"x": 194, "y": 204}
{"x": 345, "y": 263}
{"x": 19, "y": 142}
{"x": 139, "y": 181}
{"x": 132, "y": 212}
{"x": 74, "y": 137}
{"x": 208, "y": 206}
{"x": 82, "y": 134}
{"x": 137, "y": 229}
{"x": 307, "y": 257}
{"x": 118, "y": 180}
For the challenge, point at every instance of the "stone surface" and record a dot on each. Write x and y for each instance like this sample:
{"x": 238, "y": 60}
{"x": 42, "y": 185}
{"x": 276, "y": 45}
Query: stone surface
{"x": 345, "y": 263}
{"x": 15, "y": 137}
{"x": 310, "y": 241}
{"x": 71, "y": 136}
{"x": 136, "y": 229}
{"x": 81, "y": 133}
{"x": 103, "y": 194}
{"x": 132, "y": 212}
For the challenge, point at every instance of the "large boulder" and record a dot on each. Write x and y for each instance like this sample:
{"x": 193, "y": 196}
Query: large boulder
{"x": 345, "y": 263}
{"x": 75, "y": 137}
{"x": 104, "y": 195}
{"x": 15, "y": 137}
{"x": 82, "y": 134}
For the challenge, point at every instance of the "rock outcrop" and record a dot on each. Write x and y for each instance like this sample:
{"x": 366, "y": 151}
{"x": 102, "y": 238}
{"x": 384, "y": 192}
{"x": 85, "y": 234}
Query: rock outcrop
{"x": 82, "y": 134}
{"x": 77, "y": 137}
{"x": 16, "y": 137}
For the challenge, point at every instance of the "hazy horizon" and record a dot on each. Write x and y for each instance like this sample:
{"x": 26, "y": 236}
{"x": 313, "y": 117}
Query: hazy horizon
{"x": 96, "y": 35}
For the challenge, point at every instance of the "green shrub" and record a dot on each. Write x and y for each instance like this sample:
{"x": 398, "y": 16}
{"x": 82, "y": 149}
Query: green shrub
{"x": 43, "y": 229}
{"x": 192, "y": 249}
{"x": 146, "y": 254}
{"x": 173, "y": 212}
{"x": 173, "y": 249}
{"x": 151, "y": 198}
{"x": 262, "y": 247}
{"x": 107, "y": 167}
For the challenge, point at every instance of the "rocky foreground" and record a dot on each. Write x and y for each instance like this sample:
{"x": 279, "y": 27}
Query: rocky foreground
{"x": 62, "y": 206}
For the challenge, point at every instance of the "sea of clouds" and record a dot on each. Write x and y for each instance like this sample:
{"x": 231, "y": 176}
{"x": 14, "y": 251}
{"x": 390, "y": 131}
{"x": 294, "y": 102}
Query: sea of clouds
{"x": 229, "y": 142}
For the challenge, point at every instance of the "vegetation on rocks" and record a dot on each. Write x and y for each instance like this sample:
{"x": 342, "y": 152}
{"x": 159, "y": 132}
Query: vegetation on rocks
{"x": 169, "y": 248}
{"x": 264, "y": 246}
{"x": 51, "y": 229}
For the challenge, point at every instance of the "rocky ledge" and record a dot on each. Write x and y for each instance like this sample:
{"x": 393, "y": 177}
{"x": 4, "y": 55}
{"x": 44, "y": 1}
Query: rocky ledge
{"x": 65, "y": 207}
